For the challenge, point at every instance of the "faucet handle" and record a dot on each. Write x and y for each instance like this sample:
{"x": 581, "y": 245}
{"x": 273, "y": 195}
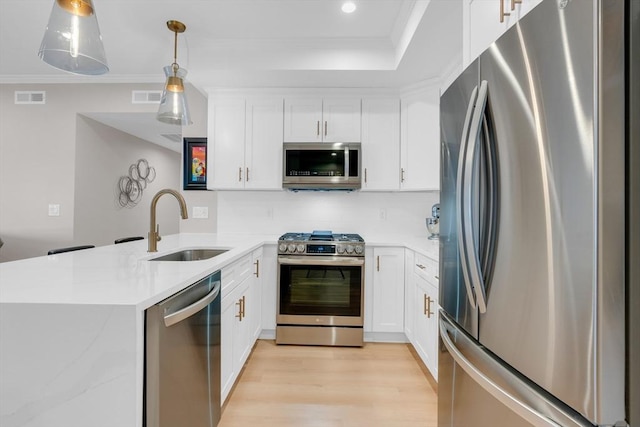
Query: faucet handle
{"x": 158, "y": 237}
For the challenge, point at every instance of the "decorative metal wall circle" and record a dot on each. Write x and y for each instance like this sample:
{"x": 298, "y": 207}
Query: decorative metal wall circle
{"x": 131, "y": 186}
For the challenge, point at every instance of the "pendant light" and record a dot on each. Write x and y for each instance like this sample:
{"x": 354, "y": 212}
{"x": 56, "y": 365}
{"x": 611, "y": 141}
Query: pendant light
{"x": 72, "y": 40}
{"x": 173, "y": 103}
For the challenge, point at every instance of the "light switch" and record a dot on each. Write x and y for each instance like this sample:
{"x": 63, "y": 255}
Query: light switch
{"x": 54, "y": 209}
{"x": 200, "y": 212}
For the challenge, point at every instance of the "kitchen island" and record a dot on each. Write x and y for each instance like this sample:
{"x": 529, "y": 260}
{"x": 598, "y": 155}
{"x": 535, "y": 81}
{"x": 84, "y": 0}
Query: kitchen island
{"x": 72, "y": 328}
{"x": 72, "y": 325}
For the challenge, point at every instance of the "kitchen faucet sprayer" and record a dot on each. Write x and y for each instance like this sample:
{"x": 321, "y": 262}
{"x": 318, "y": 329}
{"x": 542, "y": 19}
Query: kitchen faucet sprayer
{"x": 154, "y": 231}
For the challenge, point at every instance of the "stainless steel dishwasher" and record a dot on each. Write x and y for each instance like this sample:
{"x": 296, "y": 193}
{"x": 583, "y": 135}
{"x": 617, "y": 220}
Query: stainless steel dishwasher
{"x": 182, "y": 358}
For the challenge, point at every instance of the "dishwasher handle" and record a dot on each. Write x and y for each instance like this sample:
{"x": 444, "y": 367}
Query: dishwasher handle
{"x": 190, "y": 310}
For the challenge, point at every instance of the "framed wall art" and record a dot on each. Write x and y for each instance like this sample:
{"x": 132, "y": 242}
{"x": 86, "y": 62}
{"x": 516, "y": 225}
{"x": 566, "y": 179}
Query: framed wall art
{"x": 194, "y": 156}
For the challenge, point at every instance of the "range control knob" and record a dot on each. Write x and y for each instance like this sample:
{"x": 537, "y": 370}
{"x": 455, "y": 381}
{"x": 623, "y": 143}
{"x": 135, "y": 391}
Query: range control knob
{"x": 349, "y": 249}
{"x": 282, "y": 247}
{"x": 340, "y": 249}
{"x": 359, "y": 250}
{"x": 291, "y": 248}
{"x": 300, "y": 248}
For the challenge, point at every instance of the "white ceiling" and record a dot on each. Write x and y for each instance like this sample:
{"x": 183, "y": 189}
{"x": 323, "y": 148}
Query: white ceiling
{"x": 250, "y": 43}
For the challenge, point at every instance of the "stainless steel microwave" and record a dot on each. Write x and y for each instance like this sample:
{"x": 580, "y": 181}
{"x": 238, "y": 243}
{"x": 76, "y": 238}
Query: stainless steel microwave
{"x": 322, "y": 166}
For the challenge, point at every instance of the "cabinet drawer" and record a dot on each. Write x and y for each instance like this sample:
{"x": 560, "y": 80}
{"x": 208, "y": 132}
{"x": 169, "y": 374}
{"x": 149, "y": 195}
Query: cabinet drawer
{"x": 426, "y": 268}
{"x": 235, "y": 273}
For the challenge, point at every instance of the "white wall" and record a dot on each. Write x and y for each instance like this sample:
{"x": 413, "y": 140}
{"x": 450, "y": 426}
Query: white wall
{"x": 103, "y": 155}
{"x": 38, "y": 160}
{"x": 277, "y": 212}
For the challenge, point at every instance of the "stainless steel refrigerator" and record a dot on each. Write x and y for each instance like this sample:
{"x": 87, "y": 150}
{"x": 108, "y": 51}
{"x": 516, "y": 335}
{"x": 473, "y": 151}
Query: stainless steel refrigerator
{"x": 536, "y": 238}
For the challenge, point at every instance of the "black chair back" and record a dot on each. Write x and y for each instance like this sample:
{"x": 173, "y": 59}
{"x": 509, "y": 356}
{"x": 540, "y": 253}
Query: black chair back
{"x": 69, "y": 249}
{"x": 128, "y": 239}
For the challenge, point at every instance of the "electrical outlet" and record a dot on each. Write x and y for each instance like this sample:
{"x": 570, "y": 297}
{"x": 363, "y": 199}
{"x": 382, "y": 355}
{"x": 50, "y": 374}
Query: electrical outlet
{"x": 54, "y": 209}
{"x": 383, "y": 214}
{"x": 200, "y": 212}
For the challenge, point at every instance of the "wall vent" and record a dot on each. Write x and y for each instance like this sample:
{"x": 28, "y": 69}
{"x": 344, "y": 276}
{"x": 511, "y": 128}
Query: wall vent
{"x": 173, "y": 137}
{"x": 145, "y": 96}
{"x": 30, "y": 97}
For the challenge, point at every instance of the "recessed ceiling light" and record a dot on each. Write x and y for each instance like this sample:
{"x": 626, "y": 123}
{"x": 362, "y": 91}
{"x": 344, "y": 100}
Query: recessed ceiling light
{"x": 348, "y": 7}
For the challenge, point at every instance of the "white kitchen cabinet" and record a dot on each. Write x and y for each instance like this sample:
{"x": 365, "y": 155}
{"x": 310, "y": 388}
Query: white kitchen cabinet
{"x": 388, "y": 289}
{"x": 484, "y": 24}
{"x": 234, "y": 337}
{"x": 255, "y": 311}
{"x": 246, "y": 147}
{"x": 420, "y": 140}
{"x": 322, "y": 120}
{"x": 409, "y": 295}
{"x": 381, "y": 144}
{"x": 422, "y": 310}
{"x": 226, "y": 142}
{"x": 240, "y": 316}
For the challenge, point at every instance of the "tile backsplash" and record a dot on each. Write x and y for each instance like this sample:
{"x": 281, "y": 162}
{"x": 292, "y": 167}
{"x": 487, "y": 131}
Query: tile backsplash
{"x": 276, "y": 212}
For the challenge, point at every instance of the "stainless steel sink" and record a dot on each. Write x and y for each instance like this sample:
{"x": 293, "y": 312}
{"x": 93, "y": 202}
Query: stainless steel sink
{"x": 190, "y": 255}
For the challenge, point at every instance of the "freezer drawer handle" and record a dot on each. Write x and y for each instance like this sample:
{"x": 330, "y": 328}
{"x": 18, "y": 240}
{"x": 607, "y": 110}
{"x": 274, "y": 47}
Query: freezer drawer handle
{"x": 192, "y": 309}
{"x": 512, "y": 402}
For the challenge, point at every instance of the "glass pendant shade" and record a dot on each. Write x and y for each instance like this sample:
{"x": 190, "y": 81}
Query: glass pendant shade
{"x": 72, "y": 40}
{"x": 173, "y": 103}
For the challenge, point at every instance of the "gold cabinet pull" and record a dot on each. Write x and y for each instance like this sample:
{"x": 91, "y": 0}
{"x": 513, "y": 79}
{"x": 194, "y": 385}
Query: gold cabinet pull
{"x": 378, "y": 263}
{"x": 514, "y": 2}
{"x": 243, "y": 306}
{"x": 239, "y": 304}
{"x": 318, "y": 128}
{"x": 239, "y": 174}
{"x": 247, "y": 175}
{"x": 325, "y": 128}
{"x": 401, "y": 174}
{"x": 427, "y": 306}
{"x": 257, "y": 264}
{"x": 502, "y": 12}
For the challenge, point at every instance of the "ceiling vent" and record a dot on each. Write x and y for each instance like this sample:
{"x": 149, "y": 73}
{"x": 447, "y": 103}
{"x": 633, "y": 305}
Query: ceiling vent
{"x": 173, "y": 137}
{"x": 146, "y": 96}
{"x": 30, "y": 97}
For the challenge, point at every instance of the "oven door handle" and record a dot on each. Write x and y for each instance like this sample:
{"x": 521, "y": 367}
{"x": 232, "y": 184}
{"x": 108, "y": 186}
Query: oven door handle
{"x": 321, "y": 260}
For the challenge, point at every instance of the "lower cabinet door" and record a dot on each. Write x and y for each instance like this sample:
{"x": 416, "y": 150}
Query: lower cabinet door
{"x": 426, "y": 324}
{"x": 388, "y": 290}
{"x": 228, "y": 321}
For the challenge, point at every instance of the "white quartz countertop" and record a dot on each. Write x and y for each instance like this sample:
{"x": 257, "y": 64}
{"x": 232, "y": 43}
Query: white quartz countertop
{"x": 123, "y": 275}
{"x": 420, "y": 244}
{"x": 119, "y": 274}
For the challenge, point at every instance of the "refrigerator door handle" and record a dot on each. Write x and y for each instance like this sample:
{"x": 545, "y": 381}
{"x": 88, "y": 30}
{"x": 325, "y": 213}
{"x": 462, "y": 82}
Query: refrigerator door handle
{"x": 502, "y": 384}
{"x": 467, "y": 194}
{"x": 459, "y": 202}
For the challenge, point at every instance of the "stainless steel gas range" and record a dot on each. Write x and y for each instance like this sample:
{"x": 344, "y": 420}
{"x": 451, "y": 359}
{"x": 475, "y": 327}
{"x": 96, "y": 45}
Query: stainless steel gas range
{"x": 320, "y": 289}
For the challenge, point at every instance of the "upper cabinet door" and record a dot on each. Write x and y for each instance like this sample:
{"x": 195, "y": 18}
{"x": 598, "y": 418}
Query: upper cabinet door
{"x": 303, "y": 120}
{"x": 263, "y": 152}
{"x": 318, "y": 120}
{"x": 226, "y": 148}
{"x": 380, "y": 144}
{"x": 341, "y": 120}
{"x": 487, "y": 20}
{"x": 420, "y": 142}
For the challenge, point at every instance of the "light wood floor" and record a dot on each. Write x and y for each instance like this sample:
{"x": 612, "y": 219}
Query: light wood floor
{"x": 299, "y": 386}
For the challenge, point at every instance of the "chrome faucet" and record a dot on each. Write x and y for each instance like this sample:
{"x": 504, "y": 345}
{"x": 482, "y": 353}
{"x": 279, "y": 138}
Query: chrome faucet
{"x": 154, "y": 232}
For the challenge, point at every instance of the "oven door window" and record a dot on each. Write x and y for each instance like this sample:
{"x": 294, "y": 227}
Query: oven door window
{"x": 320, "y": 290}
